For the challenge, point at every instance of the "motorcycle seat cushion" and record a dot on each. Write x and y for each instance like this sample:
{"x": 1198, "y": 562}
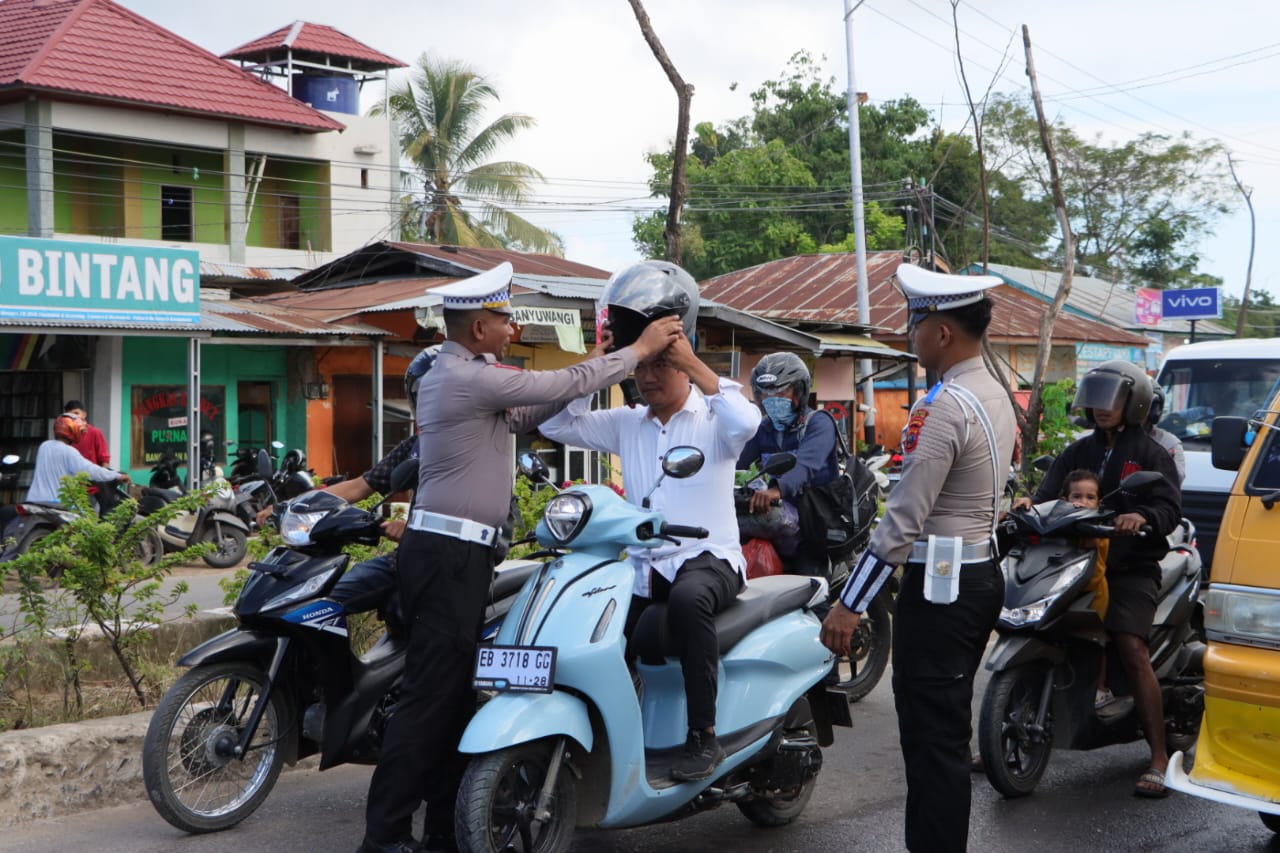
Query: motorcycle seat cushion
{"x": 166, "y": 494}
{"x": 762, "y": 599}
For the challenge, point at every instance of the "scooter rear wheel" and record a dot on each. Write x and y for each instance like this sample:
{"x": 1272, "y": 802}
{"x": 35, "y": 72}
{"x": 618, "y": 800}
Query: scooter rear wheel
{"x": 192, "y": 776}
{"x": 861, "y": 670}
{"x": 1014, "y": 751}
{"x": 498, "y": 797}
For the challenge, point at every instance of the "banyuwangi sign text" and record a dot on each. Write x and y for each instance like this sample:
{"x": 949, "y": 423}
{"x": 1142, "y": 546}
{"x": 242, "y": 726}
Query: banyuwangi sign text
{"x": 98, "y": 282}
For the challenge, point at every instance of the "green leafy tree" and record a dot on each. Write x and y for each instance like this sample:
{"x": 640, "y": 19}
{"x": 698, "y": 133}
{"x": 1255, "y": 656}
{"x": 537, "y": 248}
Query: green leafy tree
{"x": 1138, "y": 206}
{"x": 465, "y": 196}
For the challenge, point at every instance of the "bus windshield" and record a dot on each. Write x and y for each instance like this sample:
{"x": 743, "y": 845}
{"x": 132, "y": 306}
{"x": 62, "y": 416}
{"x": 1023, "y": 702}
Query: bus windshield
{"x": 1197, "y": 391}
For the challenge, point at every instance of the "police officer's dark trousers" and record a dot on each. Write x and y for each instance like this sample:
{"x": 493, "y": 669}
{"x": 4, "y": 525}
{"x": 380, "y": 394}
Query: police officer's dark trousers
{"x": 443, "y": 583}
{"x": 936, "y": 652}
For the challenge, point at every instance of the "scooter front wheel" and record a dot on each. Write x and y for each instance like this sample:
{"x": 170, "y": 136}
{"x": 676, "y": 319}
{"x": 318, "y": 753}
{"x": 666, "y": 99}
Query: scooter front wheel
{"x": 498, "y": 800}
{"x": 193, "y": 777}
{"x": 1015, "y": 749}
{"x": 861, "y": 670}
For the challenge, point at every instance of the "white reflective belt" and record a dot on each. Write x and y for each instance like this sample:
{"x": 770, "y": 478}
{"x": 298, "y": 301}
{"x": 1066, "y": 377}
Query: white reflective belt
{"x": 978, "y": 552}
{"x": 449, "y": 525}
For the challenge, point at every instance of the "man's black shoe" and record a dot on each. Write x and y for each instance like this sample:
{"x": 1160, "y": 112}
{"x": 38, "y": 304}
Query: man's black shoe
{"x": 405, "y": 845}
{"x": 702, "y": 755}
{"x": 440, "y": 843}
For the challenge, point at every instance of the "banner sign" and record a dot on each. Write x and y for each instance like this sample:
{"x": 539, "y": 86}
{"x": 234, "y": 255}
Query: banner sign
{"x": 526, "y": 316}
{"x": 98, "y": 282}
{"x": 160, "y": 418}
{"x": 1200, "y": 303}
{"x": 1148, "y": 306}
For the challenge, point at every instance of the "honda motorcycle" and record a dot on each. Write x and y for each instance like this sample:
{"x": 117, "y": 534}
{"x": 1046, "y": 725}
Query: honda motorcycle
{"x": 1051, "y": 643}
{"x": 284, "y": 684}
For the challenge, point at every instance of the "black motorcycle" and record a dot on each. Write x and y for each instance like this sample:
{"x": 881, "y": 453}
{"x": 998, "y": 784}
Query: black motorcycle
{"x": 859, "y": 671}
{"x": 285, "y": 683}
{"x": 1046, "y": 659}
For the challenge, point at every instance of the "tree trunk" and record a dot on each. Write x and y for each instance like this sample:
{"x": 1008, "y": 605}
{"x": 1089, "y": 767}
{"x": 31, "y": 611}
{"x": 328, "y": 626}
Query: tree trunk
{"x": 684, "y": 97}
{"x": 1253, "y": 230}
{"x": 1035, "y": 407}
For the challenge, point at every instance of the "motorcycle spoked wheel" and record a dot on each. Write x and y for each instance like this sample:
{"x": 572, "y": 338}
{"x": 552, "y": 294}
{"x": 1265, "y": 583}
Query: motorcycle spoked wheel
{"x": 193, "y": 779}
{"x": 779, "y": 808}
{"x": 230, "y": 543}
{"x": 498, "y": 796}
{"x": 869, "y": 650}
{"x": 1014, "y": 754}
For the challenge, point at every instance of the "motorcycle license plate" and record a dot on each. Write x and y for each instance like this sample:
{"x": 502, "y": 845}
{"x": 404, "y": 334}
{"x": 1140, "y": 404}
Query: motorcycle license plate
{"x": 515, "y": 669}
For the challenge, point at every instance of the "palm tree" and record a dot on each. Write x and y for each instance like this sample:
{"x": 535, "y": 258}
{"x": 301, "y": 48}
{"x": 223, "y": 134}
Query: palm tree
{"x": 439, "y": 109}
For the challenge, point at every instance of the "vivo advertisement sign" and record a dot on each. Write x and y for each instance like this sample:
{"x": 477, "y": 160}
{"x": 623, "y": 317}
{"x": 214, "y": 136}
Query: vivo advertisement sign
{"x": 98, "y": 282}
{"x": 1201, "y": 303}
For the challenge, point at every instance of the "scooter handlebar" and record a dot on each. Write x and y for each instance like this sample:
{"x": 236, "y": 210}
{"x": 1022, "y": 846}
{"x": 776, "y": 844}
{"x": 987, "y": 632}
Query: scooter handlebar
{"x": 685, "y": 530}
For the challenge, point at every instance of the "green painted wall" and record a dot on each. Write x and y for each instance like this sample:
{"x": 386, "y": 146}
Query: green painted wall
{"x": 13, "y": 183}
{"x": 163, "y": 361}
{"x": 309, "y": 183}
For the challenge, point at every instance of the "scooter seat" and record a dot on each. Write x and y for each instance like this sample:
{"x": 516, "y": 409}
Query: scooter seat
{"x": 167, "y": 495}
{"x": 763, "y": 599}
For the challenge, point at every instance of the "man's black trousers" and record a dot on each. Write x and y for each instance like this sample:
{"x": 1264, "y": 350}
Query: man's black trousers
{"x": 936, "y": 652}
{"x": 443, "y": 583}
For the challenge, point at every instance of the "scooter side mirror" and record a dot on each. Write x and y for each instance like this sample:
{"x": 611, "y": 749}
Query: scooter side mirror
{"x": 532, "y": 466}
{"x": 278, "y": 445}
{"x": 779, "y": 463}
{"x": 1140, "y": 481}
{"x": 265, "y": 468}
{"x": 1042, "y": 463}
{"x": 404, "y": 476}
{"x": 684, "y": 461}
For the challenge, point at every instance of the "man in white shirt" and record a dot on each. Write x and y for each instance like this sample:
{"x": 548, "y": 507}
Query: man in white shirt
{"x": 687, "y": 404}
{"x": 58, "y": 458}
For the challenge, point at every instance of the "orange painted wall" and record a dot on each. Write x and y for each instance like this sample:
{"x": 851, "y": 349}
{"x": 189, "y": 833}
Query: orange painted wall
{"x": 331, "y": 361}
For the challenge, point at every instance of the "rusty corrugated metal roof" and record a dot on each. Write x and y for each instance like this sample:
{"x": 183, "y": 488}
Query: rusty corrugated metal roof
{"x": 823, "y": 289}
{"x": 480, "y": 260}
{"x": 253, "y": 316}
{"x": 337, "y": 303}
{"x": 226, "y": 270}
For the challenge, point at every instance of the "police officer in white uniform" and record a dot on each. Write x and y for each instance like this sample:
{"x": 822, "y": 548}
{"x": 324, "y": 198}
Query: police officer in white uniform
{"x": 468, "y": 406}
{"x": 939, "y": 523}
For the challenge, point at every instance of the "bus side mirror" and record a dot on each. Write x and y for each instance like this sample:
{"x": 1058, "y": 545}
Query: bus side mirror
{"x": 1228, "y": 445}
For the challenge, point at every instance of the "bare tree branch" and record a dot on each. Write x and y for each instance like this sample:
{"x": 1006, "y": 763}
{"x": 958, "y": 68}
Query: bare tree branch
{"x": 684, "y": 96}
{"x": 1247, "y": 192}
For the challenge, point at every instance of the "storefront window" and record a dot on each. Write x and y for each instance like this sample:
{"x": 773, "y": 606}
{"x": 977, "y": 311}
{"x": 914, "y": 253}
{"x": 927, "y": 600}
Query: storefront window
{"x": 159, "y": 416}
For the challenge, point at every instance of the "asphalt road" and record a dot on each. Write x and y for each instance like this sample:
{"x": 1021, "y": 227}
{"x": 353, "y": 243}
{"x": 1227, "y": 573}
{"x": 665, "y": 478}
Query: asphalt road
{"x": 1082, "y": 804}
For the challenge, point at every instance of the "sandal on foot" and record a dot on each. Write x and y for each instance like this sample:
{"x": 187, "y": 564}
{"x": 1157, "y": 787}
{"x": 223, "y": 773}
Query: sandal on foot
{"x": 1151, "y": 784}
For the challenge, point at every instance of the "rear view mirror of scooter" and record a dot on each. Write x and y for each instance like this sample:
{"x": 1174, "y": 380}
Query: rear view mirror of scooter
{"x": 778, "y": 464}
{"x": 533, "y": 467}
{"x": 1140, "y": 481}
{"x": 10, "y": 459}
{"x": 678, "y": 463}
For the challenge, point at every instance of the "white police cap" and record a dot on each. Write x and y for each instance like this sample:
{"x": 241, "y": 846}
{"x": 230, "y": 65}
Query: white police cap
{"x": 490, "y": 289}
{"x": 926, "y": 290}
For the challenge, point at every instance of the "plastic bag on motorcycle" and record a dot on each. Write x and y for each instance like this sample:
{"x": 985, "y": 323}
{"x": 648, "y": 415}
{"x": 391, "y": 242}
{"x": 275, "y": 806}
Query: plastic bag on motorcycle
{"x": 835, "y": 518}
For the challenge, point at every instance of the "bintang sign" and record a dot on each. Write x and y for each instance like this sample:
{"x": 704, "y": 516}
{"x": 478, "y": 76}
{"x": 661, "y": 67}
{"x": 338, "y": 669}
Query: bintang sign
{"x": 98, "y": 282}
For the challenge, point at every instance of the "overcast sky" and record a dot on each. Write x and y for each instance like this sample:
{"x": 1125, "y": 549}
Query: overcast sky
{"x": 582, "y": 69}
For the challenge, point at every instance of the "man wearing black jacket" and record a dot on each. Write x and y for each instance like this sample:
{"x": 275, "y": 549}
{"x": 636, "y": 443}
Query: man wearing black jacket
{"x": 1117, "y": 395}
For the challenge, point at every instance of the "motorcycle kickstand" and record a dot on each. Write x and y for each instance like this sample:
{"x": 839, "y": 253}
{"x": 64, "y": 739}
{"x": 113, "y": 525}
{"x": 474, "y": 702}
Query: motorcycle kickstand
{"x": 542, "y": 811}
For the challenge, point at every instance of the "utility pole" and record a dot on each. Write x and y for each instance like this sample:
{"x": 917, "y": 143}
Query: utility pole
{"x": 859, "y": 225}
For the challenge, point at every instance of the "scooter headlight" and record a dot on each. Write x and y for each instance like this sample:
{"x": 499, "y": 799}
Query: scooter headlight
{"x": 295, "y": 528}
{"x": 1030, "y": 614}
{"x": 566, "y": 515}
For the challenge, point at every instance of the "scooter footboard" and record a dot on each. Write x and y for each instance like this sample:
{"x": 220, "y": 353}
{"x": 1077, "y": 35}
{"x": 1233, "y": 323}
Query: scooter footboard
{"x": 509, "y": 719}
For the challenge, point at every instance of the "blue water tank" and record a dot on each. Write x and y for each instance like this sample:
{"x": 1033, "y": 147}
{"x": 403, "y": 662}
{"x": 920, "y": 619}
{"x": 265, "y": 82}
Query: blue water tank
{"x": 331, "y": 94}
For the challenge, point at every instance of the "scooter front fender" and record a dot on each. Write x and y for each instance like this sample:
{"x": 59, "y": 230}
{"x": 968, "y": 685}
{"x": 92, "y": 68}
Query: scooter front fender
{"x": 1016, "y": 649}
{"x": 235, "y": 644}
{"x": 509, "y": 719}
{"x": 227, "y": 518}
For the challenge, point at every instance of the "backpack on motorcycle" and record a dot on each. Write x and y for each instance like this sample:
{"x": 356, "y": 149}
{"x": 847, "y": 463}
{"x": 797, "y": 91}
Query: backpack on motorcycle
{"x": 835, "y": 518}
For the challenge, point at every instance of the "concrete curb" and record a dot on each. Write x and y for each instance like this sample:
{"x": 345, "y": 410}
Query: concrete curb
{"x": 67, "y": 768}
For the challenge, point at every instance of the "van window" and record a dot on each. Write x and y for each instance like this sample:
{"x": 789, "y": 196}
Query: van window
{"x": 1266, "y": 473}
{"x": 1198, "y": 391}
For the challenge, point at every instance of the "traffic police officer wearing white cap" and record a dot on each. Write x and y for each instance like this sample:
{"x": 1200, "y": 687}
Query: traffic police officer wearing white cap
{"x": 468, "y": 406}
{"x": 939, "y": 522}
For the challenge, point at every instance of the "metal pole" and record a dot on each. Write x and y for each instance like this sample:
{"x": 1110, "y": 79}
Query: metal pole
{"x": 859, "y": 223}
{"x": 377, "y": 400}
{"x": 193, "y": 414}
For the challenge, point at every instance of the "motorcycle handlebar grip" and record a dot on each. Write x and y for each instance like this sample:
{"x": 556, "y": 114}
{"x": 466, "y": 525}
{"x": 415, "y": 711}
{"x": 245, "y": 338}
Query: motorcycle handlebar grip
{"x": 685, "y": 530}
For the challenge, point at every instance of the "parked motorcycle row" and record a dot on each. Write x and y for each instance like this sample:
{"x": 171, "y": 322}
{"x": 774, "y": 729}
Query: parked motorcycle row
{"x": 568, "y": 733}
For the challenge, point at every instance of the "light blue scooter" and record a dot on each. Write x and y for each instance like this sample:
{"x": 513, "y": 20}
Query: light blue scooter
{"x": 572, "y": 736}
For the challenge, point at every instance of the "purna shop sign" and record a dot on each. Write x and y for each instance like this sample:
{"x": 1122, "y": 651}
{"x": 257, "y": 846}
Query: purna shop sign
{"x": 98, "y": 282}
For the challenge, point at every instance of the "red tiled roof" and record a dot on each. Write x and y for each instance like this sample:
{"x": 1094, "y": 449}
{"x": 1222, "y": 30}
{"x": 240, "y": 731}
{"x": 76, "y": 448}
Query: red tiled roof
{"x": 823, "y": 289}
{"x": 305, "y": 37}
{"x": 97, "y": 50}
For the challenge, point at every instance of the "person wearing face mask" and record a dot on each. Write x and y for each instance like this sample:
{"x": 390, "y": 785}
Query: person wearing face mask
{"x": 780, "y": 383}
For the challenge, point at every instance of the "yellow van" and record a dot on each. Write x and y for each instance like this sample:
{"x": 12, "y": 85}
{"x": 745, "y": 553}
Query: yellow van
{"x": 1237, "y": 758}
